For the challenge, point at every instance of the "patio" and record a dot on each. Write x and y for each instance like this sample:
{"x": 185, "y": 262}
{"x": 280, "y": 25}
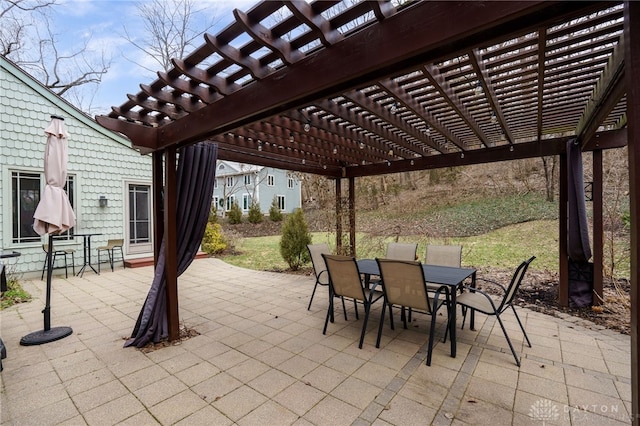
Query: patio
{"x": 261, "y": 358}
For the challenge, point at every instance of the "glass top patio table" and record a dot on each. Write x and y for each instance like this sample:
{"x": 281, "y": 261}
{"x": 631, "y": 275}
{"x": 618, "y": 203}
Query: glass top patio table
{"x": 444, "y": 275}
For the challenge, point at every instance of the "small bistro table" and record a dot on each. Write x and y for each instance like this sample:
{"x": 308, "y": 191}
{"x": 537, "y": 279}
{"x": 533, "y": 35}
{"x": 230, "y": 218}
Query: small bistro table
{"x": 86, "y": 247}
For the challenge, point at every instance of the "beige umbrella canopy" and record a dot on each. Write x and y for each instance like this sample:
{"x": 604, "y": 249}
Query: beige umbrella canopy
{"x": 54, "y": 213}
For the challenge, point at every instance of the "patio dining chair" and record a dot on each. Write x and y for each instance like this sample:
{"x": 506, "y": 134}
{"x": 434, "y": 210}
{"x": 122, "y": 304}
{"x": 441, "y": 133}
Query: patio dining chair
{"x": 490, "y": 304}
{"x": 320, "y": 271}
{"x": 403, "y": 285}
{"x": 401, "y": 251}
{"x": 345, "y": 281}
{"x": 443, "y": 255}
{"x": 110, "y": 248}
{"x": 59, "y": 253}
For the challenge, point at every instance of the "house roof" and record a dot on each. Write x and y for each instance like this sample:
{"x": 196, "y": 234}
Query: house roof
{"x": 235, "y": 168}
{"x": 63, "y": 107}
{"x": 342, "y": 89}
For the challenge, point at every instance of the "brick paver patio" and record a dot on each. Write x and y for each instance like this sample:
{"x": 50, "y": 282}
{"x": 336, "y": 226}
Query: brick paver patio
{"x": 261, "y": 359}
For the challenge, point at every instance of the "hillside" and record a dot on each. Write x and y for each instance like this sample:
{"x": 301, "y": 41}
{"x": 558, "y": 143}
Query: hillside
{"x": 465, "y": 202}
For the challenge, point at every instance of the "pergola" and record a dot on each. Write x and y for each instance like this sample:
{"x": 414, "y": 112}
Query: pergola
{"x": 344, "y": 90}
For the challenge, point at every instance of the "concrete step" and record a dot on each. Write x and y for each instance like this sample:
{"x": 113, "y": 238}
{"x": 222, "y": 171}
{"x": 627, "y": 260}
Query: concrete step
{"x": 148, "y": 261}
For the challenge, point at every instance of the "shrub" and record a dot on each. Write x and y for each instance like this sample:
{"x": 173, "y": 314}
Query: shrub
{"x": 274, "y": 211}
{"x": 255, "y": 215}
{"x": 15, "y": 293}
{"x": 235, "y": 214}
{"x": 213, "y": 241}
{"x": 213, "y": 214}
{"x": 294, "y": 240}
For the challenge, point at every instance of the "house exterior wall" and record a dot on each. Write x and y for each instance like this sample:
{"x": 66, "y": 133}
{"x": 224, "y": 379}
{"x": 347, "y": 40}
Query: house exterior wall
{"x": 101, "y": 162}
{"x": 265, "y": 184}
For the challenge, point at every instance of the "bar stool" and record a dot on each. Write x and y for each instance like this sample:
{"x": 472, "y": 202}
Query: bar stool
{"x": 110, "y": 248}
{"x": 61, "y": 252}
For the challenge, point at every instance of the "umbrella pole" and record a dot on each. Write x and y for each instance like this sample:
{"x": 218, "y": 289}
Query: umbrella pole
{"x": 47, "y": 305}
{"x": 48, "y": 334}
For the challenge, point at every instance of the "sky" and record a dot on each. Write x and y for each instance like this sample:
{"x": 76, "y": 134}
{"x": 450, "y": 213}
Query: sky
{"x": 102, "y": 23}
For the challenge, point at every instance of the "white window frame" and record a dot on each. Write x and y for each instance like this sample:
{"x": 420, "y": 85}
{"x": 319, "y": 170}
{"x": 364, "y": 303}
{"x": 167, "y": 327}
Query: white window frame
{"x": 230, "y": 200}
{"x": 246, "y": 202}
{"x": 290, "y": 183}
{"x": 271, "y": 179}
{"x": 230, "y": 181}
{"x": 281, "y": 202}
{"x": 139, "y": 246}
{"x": 247, "y": 179}
{"x": 215, "y": 183}
{"x": 18, "y": 173}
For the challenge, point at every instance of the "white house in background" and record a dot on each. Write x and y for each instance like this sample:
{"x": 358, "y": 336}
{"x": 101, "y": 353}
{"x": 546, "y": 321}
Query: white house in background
{"x": 101, "y": 164}
{"x": 246, "y": 183}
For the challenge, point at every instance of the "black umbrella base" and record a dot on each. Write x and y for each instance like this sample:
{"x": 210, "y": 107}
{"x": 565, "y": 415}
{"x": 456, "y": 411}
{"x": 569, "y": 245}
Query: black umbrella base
{"x": 45, "y": 336}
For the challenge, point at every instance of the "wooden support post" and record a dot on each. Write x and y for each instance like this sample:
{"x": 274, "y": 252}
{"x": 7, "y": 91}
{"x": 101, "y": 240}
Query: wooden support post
{"x": 598, "y": 229}
{"x": 563, "y": 256}
{"x": 158, "y": 203}
{"x": 171, "y": 243}
{"x": 339, "y": 216}
{"x": 352, "y": 216}
{"x": 632, "y": 76}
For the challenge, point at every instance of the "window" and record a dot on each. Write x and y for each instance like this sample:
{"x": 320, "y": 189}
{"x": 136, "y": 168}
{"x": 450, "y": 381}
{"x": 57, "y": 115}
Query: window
{"x": 139, "y": 214}
{"x": 247, "y": 179}
{"x": 290, "y": 183}
{"x": 230, "y": 181}
{"x": 214, "y": 203}
{"x": 270, "y": 180}
{"x": 230, "y": 200}
{"x": 215, "y": 184}
{"x": 281, "y": 202}
{"x": 246, "y": 202}
{"x": 25, "y": 196}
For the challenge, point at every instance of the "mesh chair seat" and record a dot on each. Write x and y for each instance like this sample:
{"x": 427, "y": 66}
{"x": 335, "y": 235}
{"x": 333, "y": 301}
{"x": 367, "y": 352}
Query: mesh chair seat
{"x": 403, "y": 285}
{"x": 56, "y": 254}
{"x": 442, "y": 255}
{"x": 493, "y": 305}
{"x": 401, "y": 251}
{"x": 319, "y": 267}
{"x": 110, "y": 248}
{"x": 345, "y": 281}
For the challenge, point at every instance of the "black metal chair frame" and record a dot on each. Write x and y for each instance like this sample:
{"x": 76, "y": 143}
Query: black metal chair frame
{"x": 433, "y": 301}
{"x": 56, "y": 253}
{"x": 374, "y": 294}
{"x": 110, "y": 249}
{"x": 505, "y": 302}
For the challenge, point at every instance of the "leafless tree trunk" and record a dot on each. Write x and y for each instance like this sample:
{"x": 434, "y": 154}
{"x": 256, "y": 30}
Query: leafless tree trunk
{"x": 549, "y": 164}
{"x": 615, "y": 202}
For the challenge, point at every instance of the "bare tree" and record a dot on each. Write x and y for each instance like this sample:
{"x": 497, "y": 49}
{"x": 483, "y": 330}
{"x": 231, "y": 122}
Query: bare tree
{"x": 171, "y": 29}
{"x": 549, "y": 165}
{"x": 26, "y": 38}
{"x": 13, "y": 26}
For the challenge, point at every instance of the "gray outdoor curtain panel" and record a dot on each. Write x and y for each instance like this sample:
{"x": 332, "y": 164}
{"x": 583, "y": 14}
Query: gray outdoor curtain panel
{"x": 195, "y": 178}
{"x": 578, "y": 248}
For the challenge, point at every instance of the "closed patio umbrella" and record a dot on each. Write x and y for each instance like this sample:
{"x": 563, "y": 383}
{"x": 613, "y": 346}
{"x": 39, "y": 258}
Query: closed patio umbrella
{"x": 53, "y": 216}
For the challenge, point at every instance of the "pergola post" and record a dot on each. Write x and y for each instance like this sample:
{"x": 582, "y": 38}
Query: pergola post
{"x": 352, "y": 216}
{"x": 632, "y": 76}
{"x": 158, "y": 202}
{"x": 598, "y": 228}
{"x": 171, "y": 242}
{"x": 339, "y": 216}
{"x": 563, "y": 256}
